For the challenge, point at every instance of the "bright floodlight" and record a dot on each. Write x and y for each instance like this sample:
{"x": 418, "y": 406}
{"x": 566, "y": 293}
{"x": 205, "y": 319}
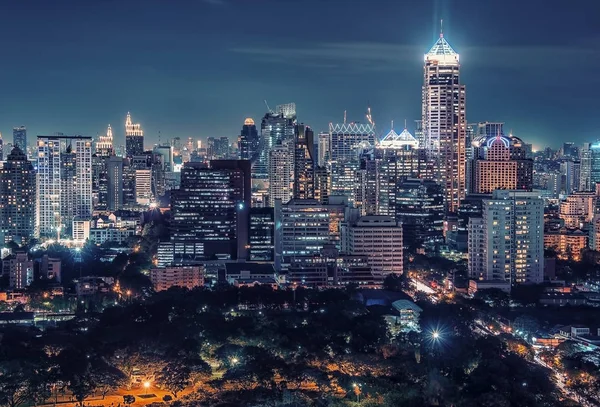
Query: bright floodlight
{"x": 146, "y": 384}
{"x": 435, "y": 335}
{"x": 234, "y": 360}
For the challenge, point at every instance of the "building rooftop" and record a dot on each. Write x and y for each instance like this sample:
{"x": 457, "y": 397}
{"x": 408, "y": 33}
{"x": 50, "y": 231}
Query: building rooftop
{"x": 441, "y": 48}
{"x": 395, "y": 140}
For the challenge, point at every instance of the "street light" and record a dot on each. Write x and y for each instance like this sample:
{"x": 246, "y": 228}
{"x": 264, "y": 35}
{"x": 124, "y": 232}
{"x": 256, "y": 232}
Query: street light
{"x": 435, "y": 335}
{"x": 357, "y": 391}
{"x": 146, "y": 386}
{"x": 234, "y": 361}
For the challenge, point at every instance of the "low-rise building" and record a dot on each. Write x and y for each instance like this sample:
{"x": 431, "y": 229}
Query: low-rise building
{"x": 568, "y": 243}
{"x": 177, "y": 276}
{"x": 19, "y": 268}
{"x": 110, "y": 234}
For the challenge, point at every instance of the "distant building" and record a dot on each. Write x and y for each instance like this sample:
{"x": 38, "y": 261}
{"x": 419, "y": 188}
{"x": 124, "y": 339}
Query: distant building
{"x": 249, "y": 141}
{"x": 281, "y": 166}
{"x": 51, "y": 268}
{"x": 275, "y": 127}
{"x": 20, "y": 138}
{"x": 182, "y": 276}
{"x": 104, "y": 145}
{"x": 578, "y": 209}
{"x": 568, "y": 243}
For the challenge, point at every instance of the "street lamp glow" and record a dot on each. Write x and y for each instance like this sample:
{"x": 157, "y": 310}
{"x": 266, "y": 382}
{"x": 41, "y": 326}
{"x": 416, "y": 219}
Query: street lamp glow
{"x": 234, "y": 361}
{"x": 146, "y": 384}
{"x": 435, "y": 335}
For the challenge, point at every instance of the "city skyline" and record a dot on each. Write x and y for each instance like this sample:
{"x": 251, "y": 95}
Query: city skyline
{"x": 150, "y": 66}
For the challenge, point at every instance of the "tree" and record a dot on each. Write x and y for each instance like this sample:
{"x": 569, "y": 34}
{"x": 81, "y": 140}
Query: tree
{"x": 107, "y": 378}
{"x": 167, "y": 397}
{"x": 175, "y": 376}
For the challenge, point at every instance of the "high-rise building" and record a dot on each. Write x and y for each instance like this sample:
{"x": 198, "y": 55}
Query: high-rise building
{"x": 304, "y": 163}
{"x": 380, "y": 239}
{"x": 134, "y": 137}
{"x": 20, "y": 138}
{"x": 322, "y": 183}
{"x": 17, "y": 198}
{"x": 443, "y": 120}
{"x": 347, "y": 142}
{"x": 104, "y": 145}
{"x": 249, "y": 141}
{"x": 280, "y": 173}
{"x": 585, "y": 157}
{"x": 217, "y": 148}
{"x": 114, "y": 176}
{"x": 275, "y": 127}
{"x": 507, "y": 242}
{"x": 64, "y": 182}
{"x": 210, "y": 211}
{"x": 1, "y": 148}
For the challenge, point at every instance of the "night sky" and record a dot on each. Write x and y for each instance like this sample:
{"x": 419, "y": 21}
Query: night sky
{"x": 198, "y": 68}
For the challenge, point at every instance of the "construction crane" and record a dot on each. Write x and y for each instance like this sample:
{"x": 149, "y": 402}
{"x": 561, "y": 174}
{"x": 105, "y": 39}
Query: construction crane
{"x": 268, "y": 108}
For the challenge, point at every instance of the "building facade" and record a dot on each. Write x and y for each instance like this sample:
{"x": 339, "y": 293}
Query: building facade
{"x": 134, "y": 137}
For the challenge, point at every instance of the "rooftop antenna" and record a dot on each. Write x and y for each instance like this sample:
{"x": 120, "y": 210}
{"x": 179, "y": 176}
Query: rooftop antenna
{"x": 405, "y": 125}
{"x": 392, "y": 124}
{"x": 344, "y": 117}
{"x": 442, "y": 28}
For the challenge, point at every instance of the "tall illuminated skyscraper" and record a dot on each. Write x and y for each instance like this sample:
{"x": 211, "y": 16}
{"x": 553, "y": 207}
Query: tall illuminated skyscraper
{"x": 280, "y": 173}
{"x": 134, "y": 138}
{"x": 104, "y": 145}
{"x": 443, "y": 119}
{"x": 276, "y": 126}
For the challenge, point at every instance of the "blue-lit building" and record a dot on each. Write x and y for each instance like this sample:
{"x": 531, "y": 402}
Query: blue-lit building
{"x": 595, "y": 163}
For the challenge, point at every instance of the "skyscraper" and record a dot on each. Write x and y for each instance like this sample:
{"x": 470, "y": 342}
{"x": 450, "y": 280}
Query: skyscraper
{"x": 585, "y": 156}
{"x": 20, "y": 138}
{"x": 64, "y": 182}
{"x": 17, "y": 198}
{"x": 1, "y": 148}
{"x": 134, "y": 137}
{"x": 443, "y": 119}
{"x": 304, "y": 163}
{"x": 276, "y": 126}
{"x": 249, "y": 141}
{"x": 104, "y": 145}
{"x": 594, "y": 164}
{"x": 347, "y": 142}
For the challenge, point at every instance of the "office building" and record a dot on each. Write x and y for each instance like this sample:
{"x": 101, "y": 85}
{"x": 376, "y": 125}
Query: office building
{"x": 280, "y": 173}
{"x": 380, "y": 239}
{"x": 17, "y": 198}
{"x": 507, "y": 242}
{"x": 261, "y": 234}
{"x": 249, "y": 142}
{"x": 20, "y": 138}
{"x": 104, "y": 145}
{"x": 304, "y": 163}
{"x": 322, "y": 184}
{"x": 134, "y": 137}
{"x": 443, "y": 120}
{"x": 177, "y": 276}
{"x": 323, "y": 149}
{"x": 210, "y": 211}
{"x": 1, "y": 148}
{"x": 302, "y": 228}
